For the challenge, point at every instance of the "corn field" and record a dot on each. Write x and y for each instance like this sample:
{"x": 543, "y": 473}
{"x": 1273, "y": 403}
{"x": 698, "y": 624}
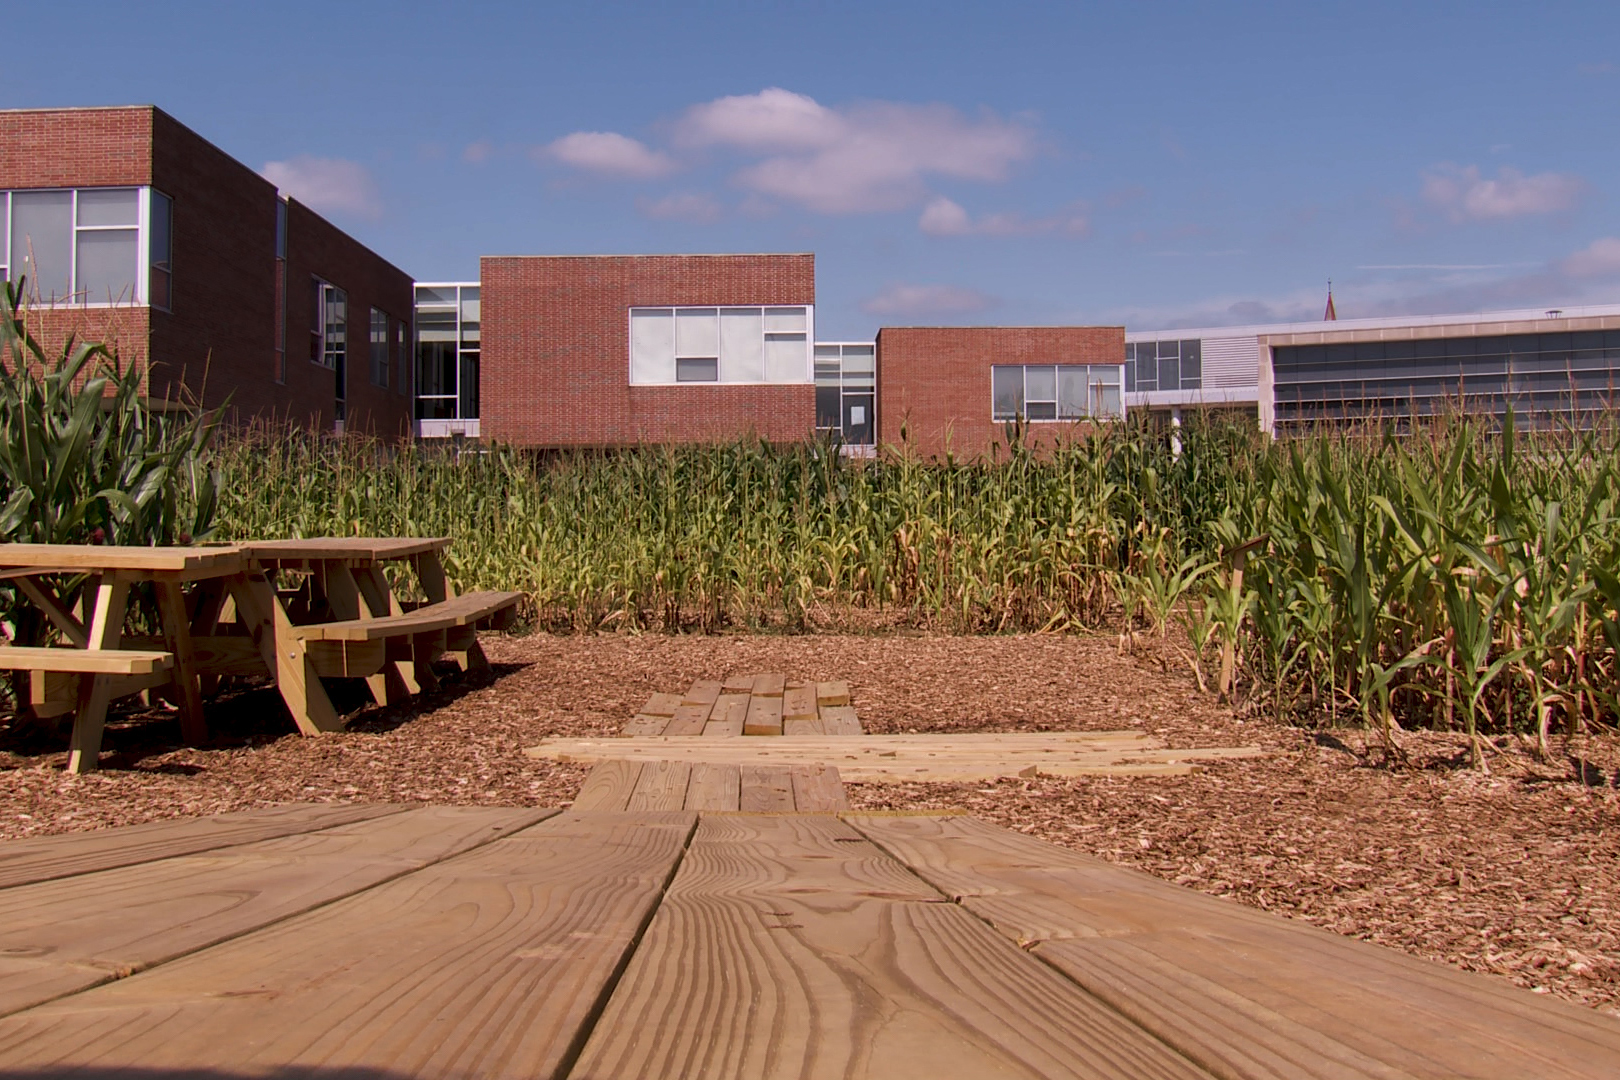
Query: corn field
{"x": 1457, "y": 578}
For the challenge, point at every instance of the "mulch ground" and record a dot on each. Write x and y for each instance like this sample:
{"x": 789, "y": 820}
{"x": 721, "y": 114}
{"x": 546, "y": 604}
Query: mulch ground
{"x": 1515, "y": 872}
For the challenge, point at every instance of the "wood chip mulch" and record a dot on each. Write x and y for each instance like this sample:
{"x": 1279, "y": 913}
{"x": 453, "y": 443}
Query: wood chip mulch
{"x": 1515, "y": 873}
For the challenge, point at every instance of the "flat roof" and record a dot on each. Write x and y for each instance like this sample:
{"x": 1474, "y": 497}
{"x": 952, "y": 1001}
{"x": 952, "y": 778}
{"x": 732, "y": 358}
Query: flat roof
{"x": 1389, "y": 322}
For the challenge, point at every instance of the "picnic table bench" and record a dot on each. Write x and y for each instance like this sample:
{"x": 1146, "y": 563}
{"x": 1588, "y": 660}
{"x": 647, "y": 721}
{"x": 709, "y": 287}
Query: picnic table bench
{"x": 220, "y": 614}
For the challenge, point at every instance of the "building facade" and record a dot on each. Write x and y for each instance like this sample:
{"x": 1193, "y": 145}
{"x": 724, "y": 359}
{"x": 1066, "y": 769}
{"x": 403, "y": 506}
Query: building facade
{"x": 121, "y": 224}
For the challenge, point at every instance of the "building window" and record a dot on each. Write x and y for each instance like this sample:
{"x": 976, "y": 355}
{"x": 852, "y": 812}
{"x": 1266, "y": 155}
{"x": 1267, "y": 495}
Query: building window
{"x": 85, "y": 245}
{"x": 402, "y": 358}
{"x": 846, "y": 391}
{"x": 447, "y": 351}
{"x": 379, "y": 348}
{"x": 329, "y": 325}
{"x": 159, "y": 273}
{"x": 1055, "y": 391}
{"x": 719, "y": 345}
{"x": 1164, "y": 365}
{"x": 278, "y": 369}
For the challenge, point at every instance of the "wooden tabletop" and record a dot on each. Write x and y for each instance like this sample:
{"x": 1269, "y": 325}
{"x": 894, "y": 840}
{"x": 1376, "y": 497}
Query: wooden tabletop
{"x": 82, "y": 558}
{"x": 494, "y": 942}
{"x": 358, "y": 549}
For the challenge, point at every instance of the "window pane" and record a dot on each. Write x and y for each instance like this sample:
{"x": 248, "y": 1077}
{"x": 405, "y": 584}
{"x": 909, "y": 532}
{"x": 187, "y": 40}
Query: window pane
{"x": 109, "y": 206}
{"x": 697, "y": 369}
{"x": 161, "y": 226}
{"x": 827, "y": 405}
{"x": 786, "y": 358}
{"x": 1192, "y": 362}
{"x": 1007, "y": 392}
{"x": 43, "y": 221}
{"x": 786, "y": 320}
{"x": 1041, "y": 410}
{"x": 860, "y": 358}
{"x": 281, "y": 227}
{"x": 742, "y": 345}
{"x": 1110, "y": 403}
{"x": 108, "y": 264}
{"x": 430, "y": 294}
{"x": 1074, "y": 393}
{"x": 1040, "y": 383}
{"x": 697, "y": 332}
{"x": 652, "y": 345}
{"x": 469, "y": 386}
{"x": 1169, "y": 374}
{"x": 471, "y": 306}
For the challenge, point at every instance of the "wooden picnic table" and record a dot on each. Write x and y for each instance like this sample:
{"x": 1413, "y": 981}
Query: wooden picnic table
{"x": 348, "y": 623}
{"x": 434, "y": 941}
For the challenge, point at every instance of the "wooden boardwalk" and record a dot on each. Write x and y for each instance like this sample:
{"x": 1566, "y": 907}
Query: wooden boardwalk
{"x": 392, "y": 941}
{"x": 769, "y": 704}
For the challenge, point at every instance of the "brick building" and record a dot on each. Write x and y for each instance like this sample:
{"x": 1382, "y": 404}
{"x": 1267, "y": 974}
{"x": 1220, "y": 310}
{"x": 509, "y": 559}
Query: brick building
{"x": 957, "y": 389}
{"x": 130, "y": 227}
{"x": 619, "y": 350}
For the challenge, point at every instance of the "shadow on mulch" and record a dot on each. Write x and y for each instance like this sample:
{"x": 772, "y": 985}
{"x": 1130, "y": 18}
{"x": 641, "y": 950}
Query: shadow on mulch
{"x": 249, "y": 715}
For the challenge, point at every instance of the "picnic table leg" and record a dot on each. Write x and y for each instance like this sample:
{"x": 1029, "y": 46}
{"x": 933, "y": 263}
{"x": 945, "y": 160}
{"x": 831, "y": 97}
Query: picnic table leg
{"x": 209, "y": 601}
{"x": 95, "y": 691}
{"x": 430, "y": 572}
{"x": 379, "y": 599}
{"x": 350, "y": 598}
{"x": 285, "y": 655}
{"x": 177, "y": 639}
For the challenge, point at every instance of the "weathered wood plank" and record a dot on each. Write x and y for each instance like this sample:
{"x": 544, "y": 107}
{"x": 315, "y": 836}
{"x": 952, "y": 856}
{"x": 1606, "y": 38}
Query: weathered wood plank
{"x": 69, "y": 934}
{"x": 1242, "y": 992}
{"x": 817, "y": 789}
{"x": 702, "y": 692}
{"x": 771, "y": 684}
{"x": 766, "y": 789}
{"x": 688, "y": 720}
{"x": 798, "y": 703}
{"x": 714, "y": 787}
{"x": 832, "y": 693}
{"x": 488, "y": 964}
{"x": 840, "y": 720}
{"x": 802, "y": 729}
{"x": 608, "y": 786}
{"x": 764, "y": 716}
{"x": 661, "y": 705}
{"x": 661, "y": 786}
{"x": 786, "y": 947}
{"x": 738, "y": 684}
{"x": 45, "y": 858}
{"x": 643, "y": 724}
{"x": 729, "y": 715}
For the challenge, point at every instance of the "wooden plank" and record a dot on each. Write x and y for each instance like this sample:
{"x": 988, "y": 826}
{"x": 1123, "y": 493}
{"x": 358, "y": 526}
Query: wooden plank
{"x": 47, "y": 858}
{"x": 118, "y": 661}
{"x": 643, "y": 724}
{"x": 817, "y": 789}
{"x": 714, "y": 787}
{"x": 488, "y": 964}
{"x": 798, "y": 703}
{"x": 661, "y": 786}
{"x": 95, "y": 691}
{"x": 354, "y": 549}
{"x": 430, "y": 618}
{"x": 662, "y": 705}
{"x": 264, "y": 618}
{"x": 832, "y": 693}
{"x": 738, "y": 684}
{"x": 608, "y": 786}
{"x": 67, "y": 935}
{"x": 796, "y": 728}
{"x": 729, "y": 716}
{"x": 399, "y": 677}
{"x": 46, "y": 600}
{"x": 764, "y": 716}
{"x": 769, "y": 685}
{"x": 1239, "y": 991}
{"x": 766, "y": 789}
{"x": 840, "y": 720}
{"x": 184, "y": 562}
{"x": 786, "y": 947}
{"x": 688, "y": 720}
{"x": 703, "y": 692}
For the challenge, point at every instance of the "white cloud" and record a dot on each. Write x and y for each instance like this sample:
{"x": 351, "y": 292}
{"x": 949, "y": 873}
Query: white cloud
{"x": 1463, "y": 194}
{"x": 476, "y": 153}
{"x": 682, "y": 207}
{"x": 904, "y": 299}
{"x": 871, "y": 156}
{"x": 942, "y": 217}
{"x": 609, "y": 153}
{"x": 327, "y": 184}
{"x": 1600, "y": 258}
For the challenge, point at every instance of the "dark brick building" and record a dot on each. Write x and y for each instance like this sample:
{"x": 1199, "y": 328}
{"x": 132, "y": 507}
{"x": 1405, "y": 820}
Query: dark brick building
{"x": 133, "y": 228}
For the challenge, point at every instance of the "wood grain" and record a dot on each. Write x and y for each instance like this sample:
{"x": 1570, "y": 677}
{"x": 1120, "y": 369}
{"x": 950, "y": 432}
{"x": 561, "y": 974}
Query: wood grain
{"x": 689, "y": 719}
{"x": 729, "y": 715}
{"x": 832, "y": 693}
{"x": 817, "y": 789}
{"x": 839, "y": 720}
{"x": 799, "y": 703}
{"x": 738, "y": 684}
{"x": 661, "y": 786}
{"x": 771, "y": 684}
{"x": 608, "y": 786}
{"x": 488, "y": 964}
{"x": 766, "y": 789}
{"x": 69, "y": 934}
{"x": 786, "y": 947}
{"x": 1242, "y": 992}
{"x": 764, "y": 715}
{"x": 714, "y": 787}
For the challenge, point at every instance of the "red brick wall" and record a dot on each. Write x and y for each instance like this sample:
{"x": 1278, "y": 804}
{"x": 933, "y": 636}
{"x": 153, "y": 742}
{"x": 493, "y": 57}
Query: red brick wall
{"x": 936, "y": 380}
{"x": 41, "y": 148}
{"x": 556, "y": 349}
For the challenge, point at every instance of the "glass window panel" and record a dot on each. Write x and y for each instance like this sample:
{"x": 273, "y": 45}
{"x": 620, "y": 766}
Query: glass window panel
{"x": 1130, "y": 376}
{"x": 468, "y": 404}
{"x": 742, "y": 345}
{"x": 1169, "y": 374}
{"x": 827, "y": 352}
{"x": 859, "y": 380}
{"x": 826, "y": 374}
{"x": 42, "y": 221}
{"x": 785, "y": 358}
{"x": 786, "y": 320}
{"x": 1147, "y": 371}
{"x": 652, "y": 345}
{"x": 1109, "y": 402}
{"x": 281, "y": 227}
{"x": 159, "y": 244}
{"x": 1040, "y": 410}
{"x": 860, "y": 358}
{"x": 1074, "y": 392}
{"x": 827, "y": 406}
{"x": 697, "y": 369}
{"x": 435, "y": 295}
{"x": 109, "y": 206}
{"x": 1007, "y": 392}
{"x": 1040, "y": 383}
{"x": 1192, "y": 364}
{"x": 859, "y": 419}
{"x": 108, "y": 265}
{"x": 697, "y": 332}
{"x": 1167, "y": 350}
{"x": 471, "y": 306}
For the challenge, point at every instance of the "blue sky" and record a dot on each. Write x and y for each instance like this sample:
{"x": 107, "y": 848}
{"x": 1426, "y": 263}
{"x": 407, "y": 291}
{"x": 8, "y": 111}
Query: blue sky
{"x": 1151, "y": 164}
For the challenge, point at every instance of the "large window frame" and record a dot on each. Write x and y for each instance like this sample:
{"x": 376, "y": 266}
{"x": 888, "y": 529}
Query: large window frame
{"x": 449, "y": 340}
{"x": 278, "y": 360}
{"x": 1045, "y": 393}
{"x": 150, "y": 225}
{"x": 379, "y": 348}
{"x": 846, "y": 390}
{"x": 721, "y": 345}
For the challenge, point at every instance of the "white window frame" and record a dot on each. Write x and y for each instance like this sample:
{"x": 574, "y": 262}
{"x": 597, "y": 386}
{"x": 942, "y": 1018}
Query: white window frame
{"x": 806, "y": 377}
{"x": 142, "y": 228}
{"x": 1057, "y": 391}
